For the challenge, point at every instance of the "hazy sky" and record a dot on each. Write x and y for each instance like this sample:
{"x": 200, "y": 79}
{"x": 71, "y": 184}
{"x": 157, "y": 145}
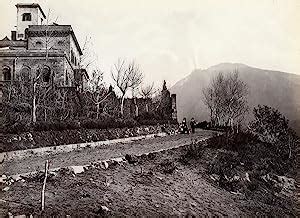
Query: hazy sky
{"x": 169, "y": 38}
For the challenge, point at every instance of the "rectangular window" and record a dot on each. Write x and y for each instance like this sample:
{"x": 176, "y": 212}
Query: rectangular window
{"x": 26, "y": 17}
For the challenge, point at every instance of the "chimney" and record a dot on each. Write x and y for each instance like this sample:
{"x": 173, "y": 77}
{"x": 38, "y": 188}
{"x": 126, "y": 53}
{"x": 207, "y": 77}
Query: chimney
{"x": 13, "y": 35}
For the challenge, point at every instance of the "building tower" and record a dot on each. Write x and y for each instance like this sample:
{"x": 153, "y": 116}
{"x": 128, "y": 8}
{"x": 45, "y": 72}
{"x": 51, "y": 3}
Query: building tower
{"x": 27, "y": 14}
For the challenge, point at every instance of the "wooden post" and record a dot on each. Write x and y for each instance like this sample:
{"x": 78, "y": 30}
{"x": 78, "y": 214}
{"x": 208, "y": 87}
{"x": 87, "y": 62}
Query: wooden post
{"x": 44, "y": 185}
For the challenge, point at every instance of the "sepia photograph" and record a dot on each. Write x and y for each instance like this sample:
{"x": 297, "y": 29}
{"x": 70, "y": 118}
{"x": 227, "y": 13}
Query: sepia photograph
{"x": 147, "y": 108}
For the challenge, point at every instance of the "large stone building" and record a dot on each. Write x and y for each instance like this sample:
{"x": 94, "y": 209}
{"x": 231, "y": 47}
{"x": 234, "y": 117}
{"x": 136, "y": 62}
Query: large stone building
{"x": 38, "y": 50}
{"x": 49, "y": 54}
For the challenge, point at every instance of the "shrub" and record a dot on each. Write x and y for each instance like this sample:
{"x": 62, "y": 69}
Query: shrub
{"x": 105, "y": 122}
{"x": 192, "y": 152}
{"x": 269, "y": 124}
{"x": 232, "y": 141}
{"x": 17, "y": 127}
{"x": 272, "y": 127}
{"x": 202, "y": 125}
{"x": 150, "y": 118}
{"x": 56, "y": 125}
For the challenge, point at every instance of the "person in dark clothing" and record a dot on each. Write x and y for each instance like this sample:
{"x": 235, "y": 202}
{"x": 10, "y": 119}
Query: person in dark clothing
{"x": 183, "y": 127}
{"x": 193, "y": 125}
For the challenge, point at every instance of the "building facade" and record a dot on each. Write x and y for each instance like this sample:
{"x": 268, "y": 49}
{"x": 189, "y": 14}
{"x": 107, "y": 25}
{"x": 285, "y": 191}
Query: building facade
{"x": 40, "y": 51}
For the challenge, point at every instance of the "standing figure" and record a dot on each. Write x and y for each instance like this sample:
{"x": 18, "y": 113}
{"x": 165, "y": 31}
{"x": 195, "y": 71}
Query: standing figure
{"x": 193, "y": 125}
{"x": 184, "y": 127}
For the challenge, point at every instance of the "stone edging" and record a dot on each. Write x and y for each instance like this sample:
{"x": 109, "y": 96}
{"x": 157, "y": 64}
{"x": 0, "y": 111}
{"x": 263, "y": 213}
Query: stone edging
{"x": 19, "y": 154}
{"x": 104, "y": 163}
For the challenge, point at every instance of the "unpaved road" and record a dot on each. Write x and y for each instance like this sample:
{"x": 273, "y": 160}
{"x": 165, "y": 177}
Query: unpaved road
{"x": 89, "y": 155}
{"x": 167, "y": 184}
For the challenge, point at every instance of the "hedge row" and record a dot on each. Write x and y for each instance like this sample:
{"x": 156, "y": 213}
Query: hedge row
{"x": 104, "y": 122}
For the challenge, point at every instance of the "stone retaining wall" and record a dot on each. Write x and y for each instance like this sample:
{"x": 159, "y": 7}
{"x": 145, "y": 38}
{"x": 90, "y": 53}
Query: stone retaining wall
{"x": 31, "y": 140}
{"x": 19, "y": 154}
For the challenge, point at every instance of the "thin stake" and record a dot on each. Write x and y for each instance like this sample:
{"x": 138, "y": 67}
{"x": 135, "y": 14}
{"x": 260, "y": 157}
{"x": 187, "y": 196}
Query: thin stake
{"x": 44, "y": 185}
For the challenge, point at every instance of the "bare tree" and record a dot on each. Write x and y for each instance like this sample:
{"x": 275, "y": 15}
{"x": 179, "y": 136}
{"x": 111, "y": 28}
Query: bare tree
{"x": 88, "y": 57}
{"x": 236, "y": 98}
{"x": 97, "y": 93}
{"x": 208, "y": 99}
{"x": 48, "y": 40}
{"x": 126, "y": 76}
{"x": 147, "y": 92}
{"x": 226, "y": 98}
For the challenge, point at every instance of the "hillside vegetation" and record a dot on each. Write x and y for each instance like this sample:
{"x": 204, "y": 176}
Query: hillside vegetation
{"x": 276, "y": 89}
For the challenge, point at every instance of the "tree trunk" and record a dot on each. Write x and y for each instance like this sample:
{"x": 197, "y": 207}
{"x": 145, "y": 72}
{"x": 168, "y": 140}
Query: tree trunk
{"x": 122, "y": 105}
{"x": 98, "y": 110}
{"x": 136, "y": 110}
{"x": 290, "y": 148}
{"x": 147, "y": 108}
{"x": 34, "y": 103}
{"x": 45, "y": 114}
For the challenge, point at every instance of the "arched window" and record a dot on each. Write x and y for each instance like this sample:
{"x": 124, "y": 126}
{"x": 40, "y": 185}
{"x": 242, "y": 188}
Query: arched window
{"x": 46, "y": 74}
{"x": 6, "y": 74}
{"x": 26, "y": 33}
{"x": 72, "y": 56}
{"x": 26, "y": 17}
{"x": 25, "y": 74}
{"x": 67, "y": 78}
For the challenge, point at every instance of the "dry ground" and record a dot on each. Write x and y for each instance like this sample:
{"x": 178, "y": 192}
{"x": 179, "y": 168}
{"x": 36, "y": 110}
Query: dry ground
{"x": 158, "y": 184}
{"x": 87, "y": 156}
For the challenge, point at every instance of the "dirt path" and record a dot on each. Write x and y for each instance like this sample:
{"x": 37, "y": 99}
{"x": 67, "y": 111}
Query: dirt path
{"x": 87, "y": 156}
{"x": 165, "y": 184}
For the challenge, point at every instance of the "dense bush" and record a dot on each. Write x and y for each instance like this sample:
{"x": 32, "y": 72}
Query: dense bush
{"x": 269, "y": 124}
{"x": 272, "y": 127}
{"x": 108, "y": 122}
{"x": 232, "y": 141}
{"x": 150, "y": 118}
{"x": 103, "y": 122}
{"x": 17, "y": 127}
{"x": 56, "y": 125}
{"x": 202, "y": 125}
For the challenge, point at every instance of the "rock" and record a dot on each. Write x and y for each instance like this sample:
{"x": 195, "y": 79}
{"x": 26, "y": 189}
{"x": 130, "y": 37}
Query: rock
{"x": 20, "y": 216}
{"x": 5, "y": 189}
{"x": 104, "y": 165}
{"x": 117, "y": 161}
{"x": 3, "y": 179}
{"x": 10, "y": 215}
{"x": 16, "y": 177}
{"x": 77, "y": 169}
{"x": 286, "y": 185}
{"x": 131, "y": 158}
{"x": 2, "y": 157}
{"x": 104, "y": 208}
{"x": 247, "y": 178}
{"x": 215, "y": 177}
{"x": 236, "y": 178}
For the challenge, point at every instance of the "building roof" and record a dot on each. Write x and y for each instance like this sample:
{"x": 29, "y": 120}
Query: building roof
{"x": 59, "y": 28}
{"x": 6, "y": 42}
{"x": 33, "y": 5}
{"x": 5, "y": 39}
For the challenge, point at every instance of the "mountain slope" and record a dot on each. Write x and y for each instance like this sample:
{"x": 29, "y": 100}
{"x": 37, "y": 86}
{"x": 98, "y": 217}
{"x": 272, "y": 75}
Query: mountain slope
{"x": 277, "y": 89}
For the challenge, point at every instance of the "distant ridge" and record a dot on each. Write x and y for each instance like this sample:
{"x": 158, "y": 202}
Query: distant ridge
{"x": 277, "y": 89}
